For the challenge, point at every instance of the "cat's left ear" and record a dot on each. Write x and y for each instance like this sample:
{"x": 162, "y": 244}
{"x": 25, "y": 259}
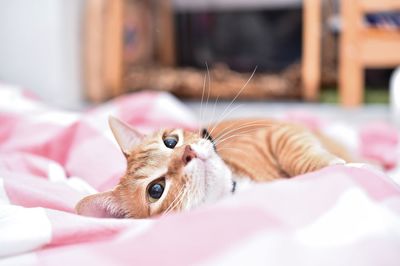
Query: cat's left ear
{"x": 101, "y": 205}
{"x": 127, "y": 137}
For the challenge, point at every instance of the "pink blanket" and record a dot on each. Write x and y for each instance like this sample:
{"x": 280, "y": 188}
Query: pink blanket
{"x": 49, "y": 159}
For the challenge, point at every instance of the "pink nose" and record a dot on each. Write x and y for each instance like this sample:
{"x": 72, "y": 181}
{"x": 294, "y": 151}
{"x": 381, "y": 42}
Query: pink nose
{"x": 188, "y": 154}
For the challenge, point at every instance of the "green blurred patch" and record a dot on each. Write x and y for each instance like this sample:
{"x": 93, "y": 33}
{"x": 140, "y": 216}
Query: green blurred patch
{"x": 372, "y": 95}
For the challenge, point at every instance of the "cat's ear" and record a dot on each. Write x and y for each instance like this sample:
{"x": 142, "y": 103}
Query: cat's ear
{"x": 127, "y": 137}
{"x": 102, "y": 205}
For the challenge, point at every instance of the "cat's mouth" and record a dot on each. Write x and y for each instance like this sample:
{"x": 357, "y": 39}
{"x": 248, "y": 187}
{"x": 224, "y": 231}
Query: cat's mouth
{"x": 203, "y": 149}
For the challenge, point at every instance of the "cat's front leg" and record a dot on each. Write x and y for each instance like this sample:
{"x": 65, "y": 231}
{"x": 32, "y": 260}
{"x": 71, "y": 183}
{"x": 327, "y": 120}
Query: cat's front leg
{"x": 298, "y": 151}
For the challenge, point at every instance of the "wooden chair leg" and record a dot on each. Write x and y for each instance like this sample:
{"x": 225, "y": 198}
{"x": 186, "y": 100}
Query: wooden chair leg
{"x": 351, "y": 80}
{"x": 351, "y": 73}
{"x": 113, "y": 46}
{"x": 103, "y": 49}
{"x": 93, "y": 60}
{"x": 311, "y": 62}
{"x": 165, "y": 34}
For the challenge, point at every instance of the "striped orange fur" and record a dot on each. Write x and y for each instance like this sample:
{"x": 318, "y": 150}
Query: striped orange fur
{"x": 269, "y": 149}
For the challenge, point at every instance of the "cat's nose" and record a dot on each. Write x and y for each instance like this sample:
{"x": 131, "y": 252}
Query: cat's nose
{"x": 188, "y": 154}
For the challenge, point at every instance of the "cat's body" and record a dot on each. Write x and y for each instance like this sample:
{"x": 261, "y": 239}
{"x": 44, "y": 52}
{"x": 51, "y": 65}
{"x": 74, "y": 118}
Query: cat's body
{"x": 264, "y": 150}
{"x": 179, "y": 170}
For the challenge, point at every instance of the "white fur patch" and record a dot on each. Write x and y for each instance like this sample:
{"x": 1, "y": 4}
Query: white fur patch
{"x": 242, "y": 183}
{"x": 211, "y": 178}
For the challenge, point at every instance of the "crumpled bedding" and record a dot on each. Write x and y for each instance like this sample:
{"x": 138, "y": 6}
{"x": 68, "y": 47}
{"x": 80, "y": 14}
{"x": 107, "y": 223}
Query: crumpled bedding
{"x": 50, "y": 159}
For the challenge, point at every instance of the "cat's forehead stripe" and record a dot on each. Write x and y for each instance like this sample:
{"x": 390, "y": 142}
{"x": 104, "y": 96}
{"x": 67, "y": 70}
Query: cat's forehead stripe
{"x": 150, "y": 171}
{"x": 177, "y": 131}
{"x": 155, "y": 173}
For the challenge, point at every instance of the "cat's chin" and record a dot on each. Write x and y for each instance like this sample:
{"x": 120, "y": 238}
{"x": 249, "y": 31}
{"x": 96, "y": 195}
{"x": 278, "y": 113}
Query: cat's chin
{"x": 215, "y": 178}
{"x": 219, "y": 185}
{"x": 210, "y": 177}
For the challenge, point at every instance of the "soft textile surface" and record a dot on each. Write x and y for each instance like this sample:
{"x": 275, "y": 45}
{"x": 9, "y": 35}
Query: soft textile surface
{"x": 343, "y": 215}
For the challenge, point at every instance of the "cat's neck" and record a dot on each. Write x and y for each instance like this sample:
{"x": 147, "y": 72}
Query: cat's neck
{"x": 241, "y": 182}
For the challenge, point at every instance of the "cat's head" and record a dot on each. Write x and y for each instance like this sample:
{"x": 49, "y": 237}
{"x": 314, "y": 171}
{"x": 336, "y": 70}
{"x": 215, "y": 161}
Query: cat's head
{"x": 171, "y": 169}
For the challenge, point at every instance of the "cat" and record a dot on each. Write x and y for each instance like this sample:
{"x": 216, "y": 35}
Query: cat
{"x": 176, "y": 169}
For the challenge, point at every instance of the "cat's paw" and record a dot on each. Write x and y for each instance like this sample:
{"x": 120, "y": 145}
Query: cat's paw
{"x": 356, "y": 165}
{"x": 337, "y": 161}
{"x": 364, "y": 166}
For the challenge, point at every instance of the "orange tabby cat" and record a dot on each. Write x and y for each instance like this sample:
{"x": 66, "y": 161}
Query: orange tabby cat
{"x": 174, "y": 169}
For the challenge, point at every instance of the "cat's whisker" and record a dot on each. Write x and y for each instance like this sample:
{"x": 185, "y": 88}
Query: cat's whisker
{"x": 201, "y": 105}
{"x": 229, "y": 148}
{"x": 203, "y": 109}
{"x": 180, "y": 200}
{"x": 233, "y": 149}
{"x": 249, "y": 125}
{"x": 239, "y": 132}
{"x": 259, "y": 122}
{"x": 224, "y": 116}
{"x": 215, "y": 105}
{"x": 172, "y": 203}
{"x": 237, "y": 95}
{"x": 223, "y": 130}
{"x": 255, "y": 123}
{"x": 180, "y": 196}
{"x": 208, "y": 87}
{"x": 172, "y": 207}
{"x": 190, "y": 199}
{"x": 244, "y": 133}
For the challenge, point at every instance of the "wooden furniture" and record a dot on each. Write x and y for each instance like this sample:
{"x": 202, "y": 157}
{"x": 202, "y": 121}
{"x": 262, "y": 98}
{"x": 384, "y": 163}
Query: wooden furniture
{"x": 311, "y": 58}
{"x": 105, "y": 55}
{"x": 129, "y": 45}
{"x": 103, "y": 48}
{"x": 360, "y": 47}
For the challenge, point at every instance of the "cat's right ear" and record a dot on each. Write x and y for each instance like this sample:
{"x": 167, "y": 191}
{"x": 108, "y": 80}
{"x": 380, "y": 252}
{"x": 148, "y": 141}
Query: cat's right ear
{"x": 127, "y": 137}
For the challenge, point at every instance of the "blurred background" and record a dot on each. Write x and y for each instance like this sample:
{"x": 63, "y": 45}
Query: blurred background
{"x": 318, "y": 54}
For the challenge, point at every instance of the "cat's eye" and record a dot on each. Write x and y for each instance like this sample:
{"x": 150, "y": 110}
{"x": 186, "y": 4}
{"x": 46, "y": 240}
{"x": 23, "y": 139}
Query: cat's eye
{"x": 156, "y": 189}
{"x": 171, "y": 141}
